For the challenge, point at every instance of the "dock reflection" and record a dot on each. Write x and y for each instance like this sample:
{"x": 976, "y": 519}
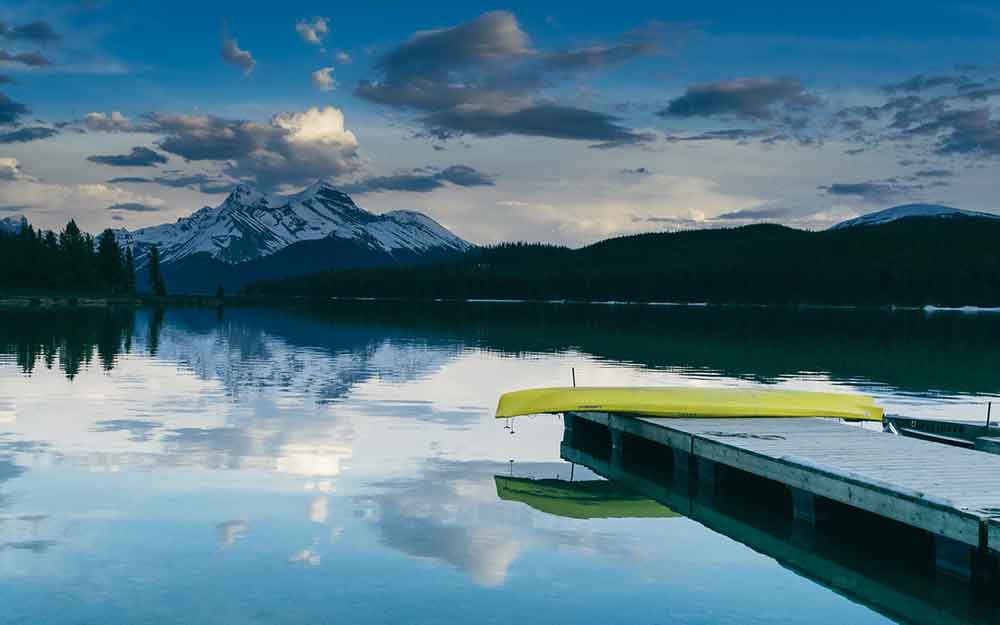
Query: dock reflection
{"x": 868, "y": 563}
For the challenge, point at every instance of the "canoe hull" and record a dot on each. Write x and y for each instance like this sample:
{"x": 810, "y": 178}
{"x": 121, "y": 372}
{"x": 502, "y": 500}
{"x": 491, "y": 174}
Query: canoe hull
{"x": 688, "y": 403}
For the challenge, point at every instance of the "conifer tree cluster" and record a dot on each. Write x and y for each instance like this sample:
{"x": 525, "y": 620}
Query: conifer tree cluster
{"x": 70, "y": 261}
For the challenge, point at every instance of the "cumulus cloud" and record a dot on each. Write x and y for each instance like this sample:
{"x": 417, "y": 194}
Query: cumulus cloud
{"x": 644, "y": 41}
{"x": 24, "y": 135}
{"x": 922, "y": 82}
{"x": 483, "y": 77}
{"x": 10, "y": 169}
{"x": 342, "y": 57}
{"x": 313, "y": 31}
{"x": 22, "y": 189}
{"x": 202, "y": 182}
{"x": 754, "y": 214}
{"x": 739, "y": 135}
{"x": 112, "y": 195}
{"x": 934, "y": 173}
{"x": 964, "y": 132}
{"x": 129, "y": 180}
{"x": 234, "y": 55}
{"x": 106, "y": 123}
{"x": 139, "y": 157}
{"x": 422, "y": 180}
{"x": 323, "y": 80}
{"x": 133, "y": 207}
{"x": 745, "y": 98}
{"x": 30, "y": 59}
{"x": 928, "y": 114}
{"x": 11, "y": 110}
{"x": 543, "y": 120}
{"x": 877, "y": 191}
{"x": 292, "y": 149}
{"x": 38, "y": 32}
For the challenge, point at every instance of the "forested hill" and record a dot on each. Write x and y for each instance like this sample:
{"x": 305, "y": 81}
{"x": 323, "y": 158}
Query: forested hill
{"x": 912, "y": 261}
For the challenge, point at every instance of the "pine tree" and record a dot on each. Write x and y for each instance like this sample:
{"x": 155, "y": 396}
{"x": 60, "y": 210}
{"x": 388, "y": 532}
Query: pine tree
{"x": 110, "y": 265}
{"x": 129, "y": 271}
{"x": 77, "y": 259}
{"x": 155, "y": 277}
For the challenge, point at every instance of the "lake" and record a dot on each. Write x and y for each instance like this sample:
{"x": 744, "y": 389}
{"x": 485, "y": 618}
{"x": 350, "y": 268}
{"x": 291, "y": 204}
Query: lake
{"x": 339, "y": 464}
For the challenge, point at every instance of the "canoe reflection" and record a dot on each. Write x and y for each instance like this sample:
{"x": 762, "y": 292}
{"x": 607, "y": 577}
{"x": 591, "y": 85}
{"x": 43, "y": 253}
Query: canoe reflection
{"x": 587, "y": 499}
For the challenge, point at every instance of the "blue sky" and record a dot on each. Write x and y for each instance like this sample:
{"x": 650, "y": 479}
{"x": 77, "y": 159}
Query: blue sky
{"x": 547, "y": 121}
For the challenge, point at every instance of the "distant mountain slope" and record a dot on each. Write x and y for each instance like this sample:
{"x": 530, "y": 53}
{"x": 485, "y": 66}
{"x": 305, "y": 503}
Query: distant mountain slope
{"x": 913, "y": 261}
{"x": 907, "y": 211}
{"x": 13, "y": 224}
{"x": 253, "y": 236}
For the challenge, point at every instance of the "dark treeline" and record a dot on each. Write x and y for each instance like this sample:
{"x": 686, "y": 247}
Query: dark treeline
{"x": 70, "y": 260}
{"x": 908, "y": 262}
{"x": 68, "y": 338}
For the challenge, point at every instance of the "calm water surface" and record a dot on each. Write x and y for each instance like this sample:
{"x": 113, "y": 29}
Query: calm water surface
{"x": 337, "y": 466}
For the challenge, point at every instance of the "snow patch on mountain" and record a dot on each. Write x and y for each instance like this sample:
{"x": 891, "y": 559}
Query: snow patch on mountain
{"x": 250, "y": 224}
{"x": 13, "y": 224}
{"x": 905, "y": 211}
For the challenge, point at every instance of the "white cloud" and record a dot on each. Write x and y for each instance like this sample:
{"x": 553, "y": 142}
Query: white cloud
{"x": 87, "y": 203}
{"x": 10, "y": 169}
{"x": 314, "y": 31}
{"x": 323, "y": 126}
{"x": 342, "y": 57}
{"x": 106, "y": 123}
{"x": 294, "y": 148}
{"x": 323, "y": 80}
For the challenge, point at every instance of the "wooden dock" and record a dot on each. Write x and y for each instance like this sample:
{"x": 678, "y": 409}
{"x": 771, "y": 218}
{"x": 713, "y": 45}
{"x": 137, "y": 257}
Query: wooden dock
{"x": 949, "y": 492}
{"x": 881, "y": 576}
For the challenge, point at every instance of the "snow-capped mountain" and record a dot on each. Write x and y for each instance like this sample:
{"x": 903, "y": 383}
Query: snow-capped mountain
{"x": 13, "y": 224}
{"x": 254, "y": 236}
{"x": 250, "y": 225}
{"x": 906, "y": 211}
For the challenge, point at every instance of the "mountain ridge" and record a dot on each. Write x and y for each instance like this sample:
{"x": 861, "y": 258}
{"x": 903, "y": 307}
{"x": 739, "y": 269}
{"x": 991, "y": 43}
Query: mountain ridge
{"x": 249, "y": 225}
{"x": 910, "y": 211}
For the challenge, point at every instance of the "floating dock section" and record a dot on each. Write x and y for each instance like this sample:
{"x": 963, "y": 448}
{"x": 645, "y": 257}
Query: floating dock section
{"x": 952, "y": 494}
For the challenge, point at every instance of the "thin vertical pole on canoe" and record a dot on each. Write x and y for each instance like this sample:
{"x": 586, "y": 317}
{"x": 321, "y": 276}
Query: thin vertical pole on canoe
{"x": 989, "y": 408}
{"x": 572, "y": 466}
{"x": 573, "y": 372}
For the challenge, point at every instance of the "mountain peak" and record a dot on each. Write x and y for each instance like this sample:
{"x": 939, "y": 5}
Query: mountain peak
{"x": 323, "y": 190}
{"x": 245, "y": 193}
{"x": 907, "y": 211}
{"x": 251, "y": 225}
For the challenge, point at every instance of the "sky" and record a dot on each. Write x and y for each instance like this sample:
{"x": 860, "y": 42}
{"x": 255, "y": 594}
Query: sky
{"x": 557, "y": 122}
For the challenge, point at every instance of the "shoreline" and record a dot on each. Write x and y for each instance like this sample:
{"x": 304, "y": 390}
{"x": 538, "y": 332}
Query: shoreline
{"x": 68, "y": 300}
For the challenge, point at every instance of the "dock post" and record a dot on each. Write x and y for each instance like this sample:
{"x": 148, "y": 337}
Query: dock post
{"x": 617, "y": 446}
{"x": 707, "y": 471}
{"x": 568, "y": 422}
{"x": 804, "y": 507}
{"x": 953, "y": 557}
{"x": 682, "y": 462}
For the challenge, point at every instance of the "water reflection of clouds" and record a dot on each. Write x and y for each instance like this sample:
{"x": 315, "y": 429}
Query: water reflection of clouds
{"x": 450, "y": 513}
{"x": 139, "y": 430}
{"x": 25, "y": 533}
{"x": 9, "y": 470}
{"x": 228, "y": 532}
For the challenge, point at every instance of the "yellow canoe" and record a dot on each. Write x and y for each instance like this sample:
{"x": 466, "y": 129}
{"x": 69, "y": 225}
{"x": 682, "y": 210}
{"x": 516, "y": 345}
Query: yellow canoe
{"x": 688, "y": 402}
